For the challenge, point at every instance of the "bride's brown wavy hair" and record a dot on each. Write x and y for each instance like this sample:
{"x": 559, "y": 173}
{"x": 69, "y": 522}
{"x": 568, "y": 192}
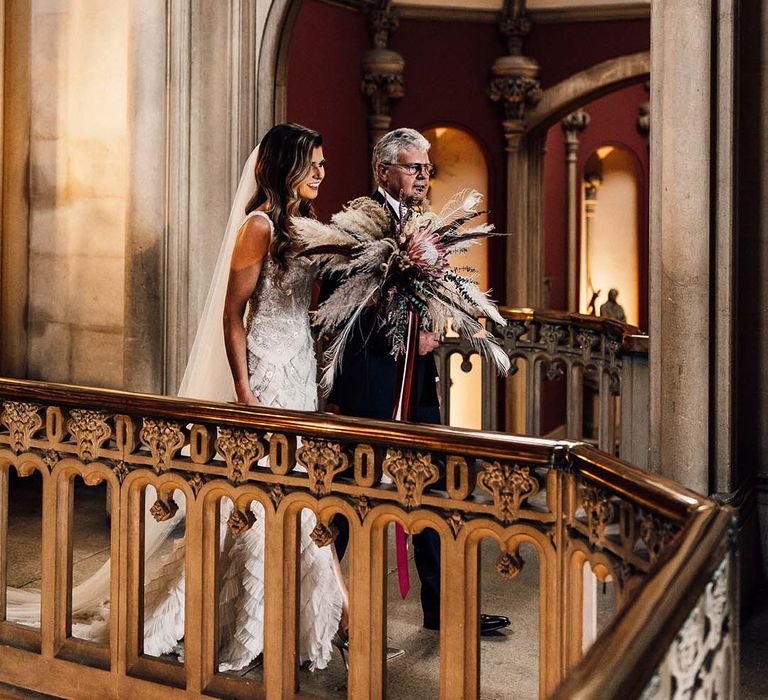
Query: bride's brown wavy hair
{"x": 285, "y": 159}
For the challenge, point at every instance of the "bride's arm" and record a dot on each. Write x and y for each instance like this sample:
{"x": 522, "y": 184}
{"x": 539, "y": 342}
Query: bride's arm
{"x": 251, "y": 246}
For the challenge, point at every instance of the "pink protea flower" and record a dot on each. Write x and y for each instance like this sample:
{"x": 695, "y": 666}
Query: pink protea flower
{"x": 426, "y": 251}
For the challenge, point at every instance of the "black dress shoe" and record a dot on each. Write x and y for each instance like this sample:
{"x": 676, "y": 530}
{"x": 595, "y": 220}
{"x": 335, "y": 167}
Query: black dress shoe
{"x": 488, "y": 623}
{"x": 492, "y": 623}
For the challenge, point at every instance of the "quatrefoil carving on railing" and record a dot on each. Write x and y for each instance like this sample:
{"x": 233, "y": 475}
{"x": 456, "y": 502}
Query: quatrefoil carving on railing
{"x": 323, "y": 459}
{"x": 23, "y": 421}
{"x": 411, "y": 472}
{"x": 241, "y": 449}
{"x": 164, "y": 439}
{"x": 90, "y": 430}
{"x": 511, "y": 485}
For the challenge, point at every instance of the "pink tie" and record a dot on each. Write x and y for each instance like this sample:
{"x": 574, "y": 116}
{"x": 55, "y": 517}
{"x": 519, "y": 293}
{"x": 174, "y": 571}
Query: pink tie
{"x": 402, "y": 411}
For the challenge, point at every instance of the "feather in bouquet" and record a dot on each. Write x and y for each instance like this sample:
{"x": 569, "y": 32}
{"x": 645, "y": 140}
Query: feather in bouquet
{"x": 397, "y": 267}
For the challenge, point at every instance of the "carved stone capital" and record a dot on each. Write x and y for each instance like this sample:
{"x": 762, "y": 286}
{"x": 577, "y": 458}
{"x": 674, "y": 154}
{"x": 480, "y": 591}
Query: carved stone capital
{"x": 411, "y": 472}
{"x": 515, "y": 86}
{"x": 164, "y": 439}
{"x": 323, "y": 459}
{"x": 90, "y": 430}
{"x": 22, "y": 421}
{"x": 382, "y": 80}
{"x": 510, "y": 485}
{"x": 573, "y": 125}
{"x": 241, "y": 449}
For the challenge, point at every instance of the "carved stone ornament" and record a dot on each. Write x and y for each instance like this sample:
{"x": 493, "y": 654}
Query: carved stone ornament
{"x": 554, "y": 370}
{"x": 276, "y": 493}
{"x": 383, "y": 19}
{"x": 164, "y": 439}
{"x": 510, "y": 486}
{"x": 164, "y": 510}
{"x": 51, "y": 459}
{"x": 456, "y": 522}
{"x": 700, "y": 662}
{"x": 90, "y": 430}
{"x": 381, "y": 89}
{"x": 586, "y": 341}
{"x": 240, "y": 521}
{"x": 323, "y": 459}
{"x": 411, "y": 472}
{"x": 655, "y": 534}
{"x": 600, "y": 513}
{"x": 362, "y": 507}
{"x": 323, "y": 535}
{"x": 196, "y": 483}
{"x": 120, "y": 470}
{"x": 22, "y": 421}
{"x": 241, "y": 449}
{"x": 515, "y": 93}
{"x": 509, "y": 565}
{"x": 575, "y": 122}
{"x": 552, "y": 336}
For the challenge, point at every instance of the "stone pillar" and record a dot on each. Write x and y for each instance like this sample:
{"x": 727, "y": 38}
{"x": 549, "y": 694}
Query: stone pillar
{"x": 691, "y": 239}
{"x": 14, "y": 221}
{"x": 573, "y": 125}
{"x": 515, "y": 87}
{"x": 382, "y": 71}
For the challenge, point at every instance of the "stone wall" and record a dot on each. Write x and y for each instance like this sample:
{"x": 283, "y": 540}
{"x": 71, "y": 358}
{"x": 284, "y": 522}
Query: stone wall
{"x": 77, "y": 191}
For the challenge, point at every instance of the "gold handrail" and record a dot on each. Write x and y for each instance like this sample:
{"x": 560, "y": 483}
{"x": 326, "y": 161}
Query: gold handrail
{"x": 588, "y": 492}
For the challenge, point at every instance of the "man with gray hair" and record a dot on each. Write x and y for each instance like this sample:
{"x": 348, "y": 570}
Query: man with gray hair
{"x": 365, "y": 386}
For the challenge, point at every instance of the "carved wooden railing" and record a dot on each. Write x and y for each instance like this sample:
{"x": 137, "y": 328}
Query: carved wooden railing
{"x": 597, "y": 358}
{"x": 658, "y": 543}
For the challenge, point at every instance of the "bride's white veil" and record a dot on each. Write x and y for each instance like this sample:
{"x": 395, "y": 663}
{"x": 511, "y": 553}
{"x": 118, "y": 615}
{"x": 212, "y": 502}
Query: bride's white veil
{"x": 207, "y": 376}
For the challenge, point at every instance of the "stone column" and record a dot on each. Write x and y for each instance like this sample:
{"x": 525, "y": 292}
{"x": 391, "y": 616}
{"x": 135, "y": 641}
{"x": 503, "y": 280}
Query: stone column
{"x": 691, "y": 239}
{"x": 515, "y": 87}
{"x": 573, "y": 125}
{"x": 14, "y": 234}
{"x": 382, "y": 71}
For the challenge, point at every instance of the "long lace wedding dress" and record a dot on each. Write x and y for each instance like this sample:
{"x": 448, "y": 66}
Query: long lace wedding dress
{"x": 282, "y": 373}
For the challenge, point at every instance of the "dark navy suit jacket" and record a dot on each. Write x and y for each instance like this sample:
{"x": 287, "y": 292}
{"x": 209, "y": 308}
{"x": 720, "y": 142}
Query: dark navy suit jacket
{"x": 365, "y": 386}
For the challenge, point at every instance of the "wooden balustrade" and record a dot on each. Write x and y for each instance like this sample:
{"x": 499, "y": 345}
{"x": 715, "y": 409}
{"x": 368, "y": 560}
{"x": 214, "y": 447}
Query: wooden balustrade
{"x": 601, "y": 360}
{"x": 658, "y": 543}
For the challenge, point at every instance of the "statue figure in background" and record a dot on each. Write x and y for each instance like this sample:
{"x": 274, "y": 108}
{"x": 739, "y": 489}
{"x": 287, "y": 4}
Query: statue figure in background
{"x": 612, "y": 309}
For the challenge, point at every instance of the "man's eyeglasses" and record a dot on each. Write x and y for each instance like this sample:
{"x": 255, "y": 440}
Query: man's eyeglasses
{"x": 426, "y": 169}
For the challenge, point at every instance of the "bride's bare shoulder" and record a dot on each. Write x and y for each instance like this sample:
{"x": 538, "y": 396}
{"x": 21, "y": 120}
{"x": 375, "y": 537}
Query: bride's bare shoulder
{"x": 254, "y": 237}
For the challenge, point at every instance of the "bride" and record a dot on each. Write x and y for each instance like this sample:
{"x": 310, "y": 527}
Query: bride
{"x": 267, "y": 360}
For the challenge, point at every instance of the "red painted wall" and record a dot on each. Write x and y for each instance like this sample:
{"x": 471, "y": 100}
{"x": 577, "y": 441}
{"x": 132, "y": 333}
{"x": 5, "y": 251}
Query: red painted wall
{"x": 613, "y": 120}
{"x": 447, "y": 74}
{"x": 324, "y": 77}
